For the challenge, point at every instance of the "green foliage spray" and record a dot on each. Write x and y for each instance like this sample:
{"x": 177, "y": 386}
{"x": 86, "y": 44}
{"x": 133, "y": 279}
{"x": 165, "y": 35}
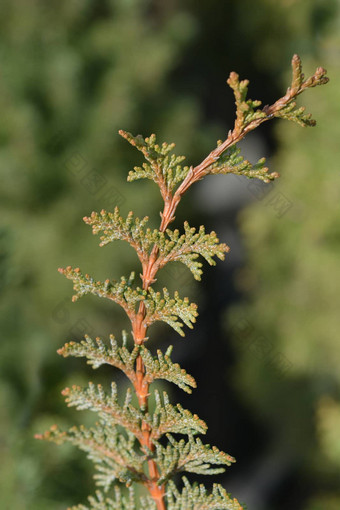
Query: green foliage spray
{"x": 130, "y": 444}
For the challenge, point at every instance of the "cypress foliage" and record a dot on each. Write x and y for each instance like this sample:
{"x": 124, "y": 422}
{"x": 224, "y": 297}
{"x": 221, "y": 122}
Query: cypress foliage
{"x": 130, "y": 443}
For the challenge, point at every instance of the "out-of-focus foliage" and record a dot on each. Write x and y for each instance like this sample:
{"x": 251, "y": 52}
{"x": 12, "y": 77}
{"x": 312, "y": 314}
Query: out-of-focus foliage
{"x": 287, "y": 334}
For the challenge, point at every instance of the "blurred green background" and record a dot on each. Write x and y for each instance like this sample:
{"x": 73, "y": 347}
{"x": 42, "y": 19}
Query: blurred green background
{"x": 71, "y": 74}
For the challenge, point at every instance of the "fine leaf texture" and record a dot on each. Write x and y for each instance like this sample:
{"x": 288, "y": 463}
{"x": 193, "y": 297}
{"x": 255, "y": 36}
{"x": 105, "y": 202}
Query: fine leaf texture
{"x": 112, "y": 452}
{"x": 161, "y": 167}
{"x": 98, "y": 353}
{"x": 189, "y": 455}
{"x": 167, "y": 309}
{"x": 159, "y": 307}
{"x": 107, "y": 406}
{"x": 172, "y": 245}
{"x": 162, "y": 367}
{"x": 230, "y": 162}
{"x": 196, "y": 497}
{"x": 187, "y": 247}
{"x": 114, "y": 227}
{"x": 118, "y": 502}
{"x": 125, "y": 444}
{"x": 248, "y": 113}
{"x": 121, "y": 292}
{"x": 174, "y": 419}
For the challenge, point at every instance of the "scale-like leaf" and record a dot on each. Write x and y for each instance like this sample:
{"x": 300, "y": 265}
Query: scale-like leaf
{"x": 118, "y": 502}
{"x": 161, "y": 167}
{"x": 230, "y": 162}
{"x": 110, "y": 411}
{"x": 189, "y": 455}
{"x": 247, "y": 110}
{"x": 196, "y": 497}
{"x": 112, "y": 453}
{"x": 187, "y": 247}
{"x": 172, "y": 245}
{"x": 159, "y": 307}
{"x": 169, "y": 310}
{"x": 114, "y": 227}
{"x": 162, "y": 367}
{"x": 125, "y": 443}
{"x": 121, "y": 292}
{"x": 168, "y": 418}
{"x": 98, "y": 353}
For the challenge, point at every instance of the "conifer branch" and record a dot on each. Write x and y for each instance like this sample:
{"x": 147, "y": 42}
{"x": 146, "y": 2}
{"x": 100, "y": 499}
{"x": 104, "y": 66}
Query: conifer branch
{"x": 158, "y": 307}
{"x": 113, "y": 227}
{"x": 192, "y": 456}
{"x": 285, "y": 106}
{"x": 112, "y": 453}
{"x": 230, "y": 162}
{"x": 167, "y": 309}
{"x": 196, "y": 497}
{"x": 186, "y": 248}
{"x": 97, "y": 354}
{"x": 249, "y": 117}
{"x": 108, "y": 408}
{"x": 164, "y": 169}
{"x": 120, "y": 292}
{"x": 248, "y": 114}
{"x": 171, "y": 245}
{"x": 116, "y": 455}
{"x": 168, "y": 418}
{"x": 162, "y": 367}
{"x": 120, "y": 502}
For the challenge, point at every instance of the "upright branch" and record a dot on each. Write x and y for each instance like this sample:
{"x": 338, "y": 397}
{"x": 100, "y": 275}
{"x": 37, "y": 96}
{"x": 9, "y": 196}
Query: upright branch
{"x": 116, "y": 453}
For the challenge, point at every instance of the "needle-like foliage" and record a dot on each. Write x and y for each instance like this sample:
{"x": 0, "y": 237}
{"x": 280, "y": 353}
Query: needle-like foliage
{"x": 133, "y": 442}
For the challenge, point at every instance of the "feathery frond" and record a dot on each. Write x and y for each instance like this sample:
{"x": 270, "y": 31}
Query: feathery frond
{"x": 125, "y": 442}
{"x": 158, "y": 307}
{"x": 161, "y": 167}
{"x": 162, "y": 367}
{"x": 248, "y": 114}
{"x": 112, "y": 452}
{"x": 247, "y": 110}
{"x": 97, "y": 354}
{"x": 113, "y": 227}
{"x": 286, "y": 106}
{"x": 121, "y": 292}
{"x": 108, "y": 408}
{"x": 169, "y": 310}
{"x": 230, "y": 162}
{"x": 189, "y": 455}
{"x": 120, "y": 502}
{"x": 187, "y": 247}
{"x": 168, "y": 418}
{"x": 196, "y": 497}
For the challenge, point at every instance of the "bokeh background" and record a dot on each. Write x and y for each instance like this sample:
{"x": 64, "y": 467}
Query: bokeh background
{"x": 266, "y": 350}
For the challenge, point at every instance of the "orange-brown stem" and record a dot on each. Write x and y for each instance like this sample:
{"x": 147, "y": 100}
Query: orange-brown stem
{"x": 156, "y": 491}
{"x": 150, "y": 266}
